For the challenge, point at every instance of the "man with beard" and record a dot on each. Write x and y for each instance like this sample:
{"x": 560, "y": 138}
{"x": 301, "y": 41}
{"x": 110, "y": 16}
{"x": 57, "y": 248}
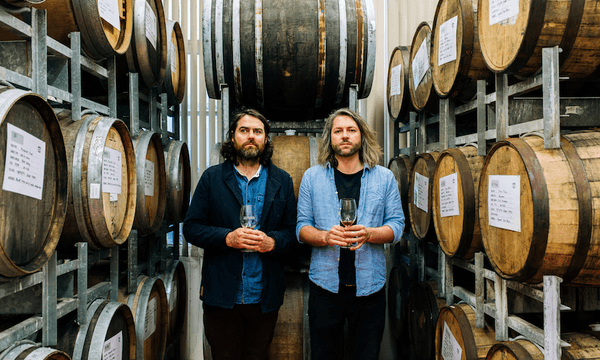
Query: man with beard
{"x": 242, "y": 279}
{"x": 347, "y": 268}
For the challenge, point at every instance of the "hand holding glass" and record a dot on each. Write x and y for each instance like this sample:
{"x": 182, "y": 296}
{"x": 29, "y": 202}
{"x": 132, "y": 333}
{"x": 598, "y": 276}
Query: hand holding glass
{"x": 248, "y": 219}
{"x": 347, "y": 214}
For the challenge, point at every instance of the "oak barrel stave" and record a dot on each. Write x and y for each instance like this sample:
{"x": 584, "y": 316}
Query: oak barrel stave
{"x": 423, "y": 311}
{"x": 174, "y": 279}
{"x": 401, "y": 167}
{"x": 422, "y": 94}
{"x": 175, "y": 75}
{"x": 178, "y": 187}
{"x": 399, "y": 100}
{"x": 295, "y": 154}
{"x": 421, "y": 221}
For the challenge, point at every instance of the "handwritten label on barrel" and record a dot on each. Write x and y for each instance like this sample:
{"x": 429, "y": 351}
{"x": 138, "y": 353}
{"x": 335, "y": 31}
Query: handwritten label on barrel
{"x": 151, "y": 31}
{"x": 25, "y": 163}
{"x": 447, "y": 41}
{"x": 504, "y": 202}
{"x": 109, "y": 12}
{"x": 395, "y": 80}
{"x": 420, "y": 63}
{"x": 113, "y": 348}
{"x": 111, "y": 171}
{"x": 502, "y": 10}
{"x": 421, "y": 191}
{"x": 450, "y": 348}
{"x": 150, "y": 320}
{"x": 149, "y": 178}
{"x": 449, "y": 195}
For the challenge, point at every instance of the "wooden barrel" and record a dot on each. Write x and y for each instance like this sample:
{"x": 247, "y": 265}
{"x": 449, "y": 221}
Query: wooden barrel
{"x": 513, "y": 41}
{"x": 398, "y": 294}
{"x": 398, "y": 89}
{"x": 178, "y": 187}
{"x": 583, "y": 346}
{"x": 175, "y": 282}
{"x": 108, "y": 333}
{"x": 419, "y": 195}
{"x": 422, "y": 93}
{"x": 456, "y": 201}
{"x": 423, "y": 310}
{"x": 456, "y": 55}
{"x": 537, "y": 208}
{"x": 295, "y": 154}
{"x": 102, "y": 176}
{"x": 28, "y": 350}
{"x": 147, "y": 54}
{"x": 34, "y": 182}
{"x": 175, "y": 76}
{"x": 151, "y": 182}
{"x": 289, "y": 59}
{"x": 456, "y": 333}
{"x": 16, "y": 5}
{"x": 520, "y": 349}
{"x": 401, "y": 166}
{"x": 151, "y": 314}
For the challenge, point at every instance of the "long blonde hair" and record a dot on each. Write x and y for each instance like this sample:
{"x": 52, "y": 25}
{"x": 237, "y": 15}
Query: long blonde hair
{"x": 369, "y": 153}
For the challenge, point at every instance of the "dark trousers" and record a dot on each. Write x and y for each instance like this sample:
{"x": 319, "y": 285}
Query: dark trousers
{"x": 241, "y": 333}
{"x": 328, "y": 312}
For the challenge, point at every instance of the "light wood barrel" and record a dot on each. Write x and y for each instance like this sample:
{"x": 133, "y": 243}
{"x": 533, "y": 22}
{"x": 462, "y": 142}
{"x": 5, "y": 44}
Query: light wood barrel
{"x": 455, "y": 73}
{"x": 401, "y": 167}
{"x": 174, "y": 279}
{"x": 520, "y": 349}
{"x": 295, "y": 154}
{"x": 456, "y": 332}
{"x": 557, "y": 190}
{"x": 398, "y": 89}
{"x": 27, "y": 350}
{"x": 419, "y": 207}
{"x": 34, "y": 182}
{"x": 292, "y": 60}
{"x": 399, "y": 285}
{"x": 151, "y": 182}
{"x": 175, "y": 76}
{"x": 147, "y": 54}
{"x": 514, "y": 45}
{"x": 456, "y": 220}
{"x": 150, "y": 310}
{"x": 422, "y": 93}
{"x": 423, "y": 310}
{"x": 583, "y": 346}
{"x": 102, "y": 176}
{"x": 178, "y": 180}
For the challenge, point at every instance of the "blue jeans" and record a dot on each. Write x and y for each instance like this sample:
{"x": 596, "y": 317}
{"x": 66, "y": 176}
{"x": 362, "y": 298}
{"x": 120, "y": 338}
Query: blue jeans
{"x": 328, "y": 312}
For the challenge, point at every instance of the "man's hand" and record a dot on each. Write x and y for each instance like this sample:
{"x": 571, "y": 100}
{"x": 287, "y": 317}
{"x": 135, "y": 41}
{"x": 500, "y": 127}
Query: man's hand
{"x": 356, "y": 235}
{"x": 250, "y": 239}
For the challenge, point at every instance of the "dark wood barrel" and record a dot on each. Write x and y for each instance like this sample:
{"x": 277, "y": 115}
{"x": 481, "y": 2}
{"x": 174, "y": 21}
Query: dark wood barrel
{"x": 147, "y": 54}
{"x": 16, "y": 5}
{"x": 295, "y": 154}
{"x": 583, "y": 346}
{"x": 34, "y": 176}
{"x": 550, "y": 230}
{"x": 28, "y": 350}
{"x": 109, "y": 331}
{"x": 456, "y": 55}
{"x": 401, "y": 166}
{"x": 289, "y": 59}
{"x": 102, "y": 176}
{"x": 175, "y": 76}
{"x": 175, "y": 282}
{"x": 179, "y": 183}
{"x": 151, "y": 182}
{"x": 514, "y": 45}
{"x": 398, "y": 89}
{"x": 520, "y": 349}
{"x": 421, "y": 177}
{"x": 456, "y": 332}
{"x": 456, "y": 210}
{"x": 150, "y": 311}
{"x": 399, "y": 285}
{"x": 422, "y": 93}
{"x": 423, "y": 310}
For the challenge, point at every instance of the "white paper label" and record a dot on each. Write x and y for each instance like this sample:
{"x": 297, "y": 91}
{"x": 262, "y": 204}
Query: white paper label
{"x": 94, "y": 191}
{"x": 173, "y": 297}
{"x": 173, "y": 58}
{"x": 447, "y": 45}
{"x": 504, "y": 201}
{"x": 395, "y": 80}
{"x": 149, "y": 178}
{"x": 151, "y": 25}
{"x": 450, "y": 348}
{"x": 25, "y": 163}
{"x": 501, "y": 10}
{"x": 421, "y": 191}
{"x": 113, "y": 348}
{"x": 420, "y": 63}
{"x": 150, "y": 321}
{"x": 109, "y": 11}
{"x": 449, "y": 195}
{"x": 111, "y": 171}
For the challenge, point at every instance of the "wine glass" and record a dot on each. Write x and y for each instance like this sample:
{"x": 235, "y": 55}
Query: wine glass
{"x": 347, "y": 214}
{"x": 248, "y": 219}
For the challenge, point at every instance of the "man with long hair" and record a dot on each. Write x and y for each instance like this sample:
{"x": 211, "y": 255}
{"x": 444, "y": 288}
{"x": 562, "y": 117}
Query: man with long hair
{"x": 242, "y": 278}
{"x": 347, "y": 269}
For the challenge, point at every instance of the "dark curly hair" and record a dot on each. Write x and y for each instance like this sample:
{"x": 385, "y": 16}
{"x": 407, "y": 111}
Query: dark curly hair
{"x": 228, "y": 148}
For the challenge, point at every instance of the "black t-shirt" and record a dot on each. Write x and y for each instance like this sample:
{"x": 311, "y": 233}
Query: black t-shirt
{"x": 348, "y": 186}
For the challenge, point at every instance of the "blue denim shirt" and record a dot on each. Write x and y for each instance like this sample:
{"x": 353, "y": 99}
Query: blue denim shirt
{"x": 379, "y": 205}
{"x": 253, "y": 192}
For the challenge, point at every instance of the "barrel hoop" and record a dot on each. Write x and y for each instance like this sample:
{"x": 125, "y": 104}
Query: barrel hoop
{"x": 371, "y": 50}
{"x": 142, "y": 143}
{"x": 99, "y": 334}
{"x": 360, "y": 46}
{"x": 133, "y": 301}
{"x": 541, "y": 218}
{"x": 532, "y": 34}
{"x": 237, "y": 51}
{"x": 343, "y": 52}
{"x": 468, "y": 206}
{"x": 258, "y": 54}
{"x": 430, "y": 162}
{"x": 468, "y": 35}
{"x": 584, "y": 198}
{"x": 89, "y": 334}
{"x": 517, "y": 349}
{"x": 571, "y": 29}
{"x": 322, "y": 54}
{"x": 83, "y": 328}
{"x": 207, "y": 49}
{"x": 219, "y": 37}
{"x": 81, "y": 17}
{"x": 467, "y": 332}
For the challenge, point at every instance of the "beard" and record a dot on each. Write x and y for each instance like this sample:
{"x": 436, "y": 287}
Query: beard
{"x": 248, "y": 153}
{"x": 346, "y": 152}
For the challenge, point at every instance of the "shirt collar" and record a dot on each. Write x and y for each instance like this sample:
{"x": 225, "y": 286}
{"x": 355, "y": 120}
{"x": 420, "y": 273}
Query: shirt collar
{"x": 256, "y": 175}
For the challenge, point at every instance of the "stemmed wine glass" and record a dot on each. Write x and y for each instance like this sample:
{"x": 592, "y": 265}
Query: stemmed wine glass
{"x": 347, "y": 214}
{"x": 248, "y": 219}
